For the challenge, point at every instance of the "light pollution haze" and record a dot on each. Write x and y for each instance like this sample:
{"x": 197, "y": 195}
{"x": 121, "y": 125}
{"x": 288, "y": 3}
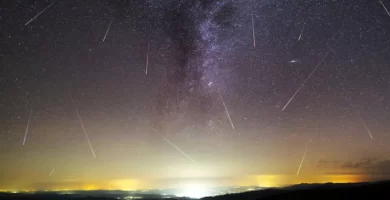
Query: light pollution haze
{"x": 101, "y": 94}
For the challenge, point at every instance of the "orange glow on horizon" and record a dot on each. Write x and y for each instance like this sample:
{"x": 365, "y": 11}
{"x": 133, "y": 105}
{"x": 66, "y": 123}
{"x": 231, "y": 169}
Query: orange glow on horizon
{"x": 261, "y": 180}
{"x": 277, "y": 180}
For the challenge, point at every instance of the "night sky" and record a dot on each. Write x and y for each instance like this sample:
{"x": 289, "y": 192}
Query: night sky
{"x": 135, "y": 94}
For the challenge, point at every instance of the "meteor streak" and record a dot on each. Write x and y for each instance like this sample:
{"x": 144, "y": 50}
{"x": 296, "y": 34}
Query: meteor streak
{"x": 365, "y": 126}
{"x": 177, "y": 148}
{"x": 28, "y": 124}
{"x": 108, "y": 29}
{"x": 326, "y": 55}
{"x": 300, "y": 35}
{"x": 32, "y": 19}
{"x": 226, "y": 110}
{"x": 52, "y": 171}
{"x": 388, "y": 13}
{"x": 164, "y": 138}
{"x": 303, "y": 158}
{"x": 147, "y": 59}
{"x": 253, "y": 33}
{"x": 82, "y": 126}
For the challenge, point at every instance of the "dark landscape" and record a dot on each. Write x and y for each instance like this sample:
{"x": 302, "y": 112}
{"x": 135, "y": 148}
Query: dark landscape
{"x": 376, "y": 190}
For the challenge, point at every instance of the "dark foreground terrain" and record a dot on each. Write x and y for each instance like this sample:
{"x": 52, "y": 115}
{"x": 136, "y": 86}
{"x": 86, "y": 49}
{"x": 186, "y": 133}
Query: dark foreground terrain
{"x": 329, "y": 191}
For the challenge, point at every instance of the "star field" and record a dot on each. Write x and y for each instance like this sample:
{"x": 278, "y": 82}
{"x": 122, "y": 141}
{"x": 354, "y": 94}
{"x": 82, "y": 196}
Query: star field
{"x": 99, "y": 94}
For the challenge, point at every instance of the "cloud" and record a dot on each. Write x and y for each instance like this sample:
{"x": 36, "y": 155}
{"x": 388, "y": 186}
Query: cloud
{"x": 363, "y": 163}
{"x": 369, "y": 166}
{"x": 373, "y": 166}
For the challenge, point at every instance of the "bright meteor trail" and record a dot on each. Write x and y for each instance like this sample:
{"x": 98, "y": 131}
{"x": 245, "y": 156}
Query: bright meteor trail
{"x": 32, "y": 19}
{"x": 164, "y": 138}
{"x": 326, "y": 55}
{"x": 303, "y": 158}
{"x": 253, "y": 33}
{"x": 300, "y": 35}
{"x": 108, "y": 29}
{"x": 52, "y": 171}
{"x": 82, "y": 126}
{"x": 365, "y": 126}
{"x": 388, "y": 13}
{"x": 28, "y": 124}
{"x": 226, "y": 110}
{"x": 177, "y": 148}
{"x": 147, "y": 59}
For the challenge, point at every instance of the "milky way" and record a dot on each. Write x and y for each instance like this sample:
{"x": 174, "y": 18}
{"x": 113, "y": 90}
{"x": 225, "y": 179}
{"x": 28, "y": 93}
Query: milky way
{"x": 193, "y": 28}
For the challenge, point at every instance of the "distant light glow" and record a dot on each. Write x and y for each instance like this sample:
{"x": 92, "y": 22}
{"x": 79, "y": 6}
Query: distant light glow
{"x": 133, "y": 197}
{"x": 194, "y": 191}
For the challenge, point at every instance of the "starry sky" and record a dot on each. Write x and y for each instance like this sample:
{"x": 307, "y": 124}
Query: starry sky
{"x": 107, "y": 94}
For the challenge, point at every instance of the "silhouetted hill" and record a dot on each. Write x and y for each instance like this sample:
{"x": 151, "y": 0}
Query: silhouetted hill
{"x": 329, "y": 191}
